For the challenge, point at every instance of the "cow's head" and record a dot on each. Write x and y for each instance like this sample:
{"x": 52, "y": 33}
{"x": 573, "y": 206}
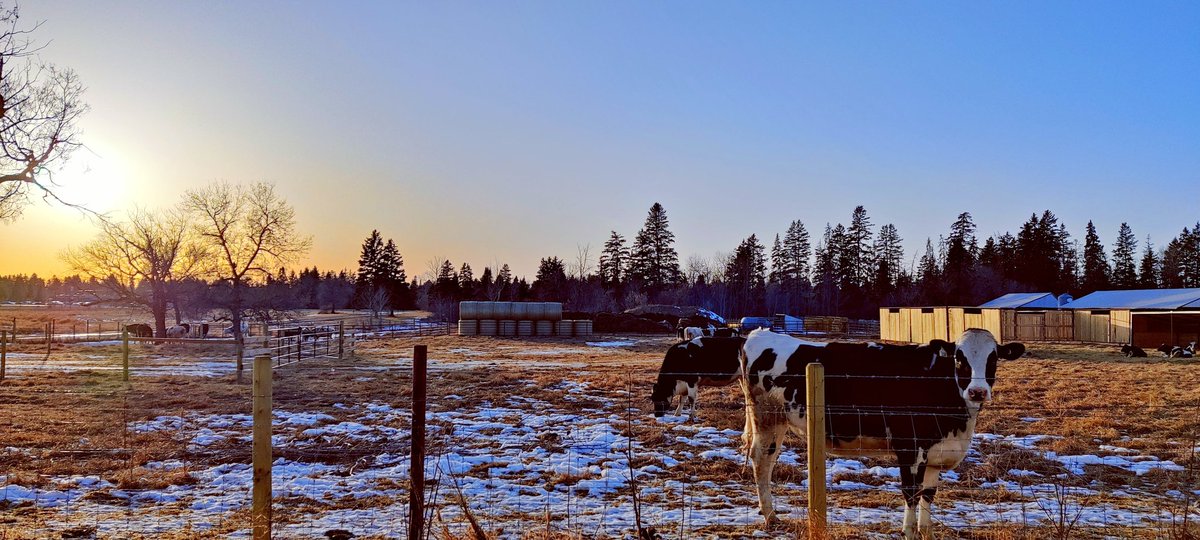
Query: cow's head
{"x": 975, "y": 357}
{"x": 661, "y": 396}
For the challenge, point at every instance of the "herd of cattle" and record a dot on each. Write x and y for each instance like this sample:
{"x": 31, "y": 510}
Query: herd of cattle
{"x": 915, "y": 403}
{"x": 1168, "y": 351}
{"x": 182, "y": 330}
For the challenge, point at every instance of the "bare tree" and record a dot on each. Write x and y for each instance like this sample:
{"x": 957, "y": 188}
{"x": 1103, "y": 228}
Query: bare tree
{"x": 141, "y": 260}
{"x": 377, "y": 301}
{"x": 582, "y": 267}
{"x": 249, "y": 230}
{"x": 40, "y": 105}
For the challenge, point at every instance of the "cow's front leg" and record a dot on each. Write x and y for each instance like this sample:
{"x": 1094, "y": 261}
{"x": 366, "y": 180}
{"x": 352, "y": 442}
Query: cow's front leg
{"x": 929, "y": 485}
{"x": 911, "y": 474}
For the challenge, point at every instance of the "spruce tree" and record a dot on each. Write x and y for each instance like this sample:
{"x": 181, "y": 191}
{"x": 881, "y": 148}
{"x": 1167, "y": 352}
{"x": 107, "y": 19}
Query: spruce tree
{"x": 746, "y": 274}
{"x": 369, "y": 260}
{"x": 653, "y": 259}
{"x": 796, "y": 250}
{"x": 858, "y": 249}
{"x": 1149, "y": 269}
{"x": 1124, "y": 274}
{"x": 614, "y": 261}
{"x": 1095, "y": 263}
{"x": 889, "y": 256}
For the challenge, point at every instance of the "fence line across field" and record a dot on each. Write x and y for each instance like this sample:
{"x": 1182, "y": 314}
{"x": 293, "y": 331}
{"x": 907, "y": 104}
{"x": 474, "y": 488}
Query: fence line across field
{"x": 668, "y": 498}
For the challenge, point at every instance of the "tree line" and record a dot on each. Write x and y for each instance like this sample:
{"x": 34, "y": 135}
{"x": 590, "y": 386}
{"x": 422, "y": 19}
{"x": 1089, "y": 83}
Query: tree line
{"x": 850, "y": 269}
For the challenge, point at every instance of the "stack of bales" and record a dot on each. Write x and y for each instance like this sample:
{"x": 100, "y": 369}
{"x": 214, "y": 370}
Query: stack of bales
{"x": 517, "y": 319}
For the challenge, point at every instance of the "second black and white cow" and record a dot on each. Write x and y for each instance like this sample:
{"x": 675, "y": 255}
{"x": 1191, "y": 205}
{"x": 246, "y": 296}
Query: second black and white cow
{"x": 688, "y": 365}
{"x": 915, "y": 403}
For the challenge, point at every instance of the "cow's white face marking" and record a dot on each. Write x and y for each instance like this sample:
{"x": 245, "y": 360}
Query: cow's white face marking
{"x": 975, "y": 365}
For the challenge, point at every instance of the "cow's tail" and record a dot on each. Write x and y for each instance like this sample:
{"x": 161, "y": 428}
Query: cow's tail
{"x": 751, "y": 424}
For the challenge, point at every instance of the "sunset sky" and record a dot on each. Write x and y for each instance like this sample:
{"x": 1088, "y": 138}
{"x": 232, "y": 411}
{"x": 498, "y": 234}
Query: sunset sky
{"x": 509, "y": 131}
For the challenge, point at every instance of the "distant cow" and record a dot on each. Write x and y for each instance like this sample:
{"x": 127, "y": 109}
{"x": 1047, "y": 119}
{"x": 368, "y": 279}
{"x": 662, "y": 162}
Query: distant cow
{"x": 691, "y": 333}
{"x": 1175, "y": 351}
{"x": 917, "y": 403}
{"x": 726, "y": 332}
{"x": 178, "y": 331}
{"x": 139, "y": 330}
{"x": 1133, "y": 351}
{"x": 688, "y": 365}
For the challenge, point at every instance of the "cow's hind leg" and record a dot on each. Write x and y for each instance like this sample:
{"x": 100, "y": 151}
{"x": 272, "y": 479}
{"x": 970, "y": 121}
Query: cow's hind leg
{"x": 929, "y": 485}
{"x": 765, "y": 447}
{"x": 693, "y": 389}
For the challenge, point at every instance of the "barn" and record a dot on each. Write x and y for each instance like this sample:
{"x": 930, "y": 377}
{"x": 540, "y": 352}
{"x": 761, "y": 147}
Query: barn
{"x": 1012, "y": 317}
{"x": 1144, "y": 317}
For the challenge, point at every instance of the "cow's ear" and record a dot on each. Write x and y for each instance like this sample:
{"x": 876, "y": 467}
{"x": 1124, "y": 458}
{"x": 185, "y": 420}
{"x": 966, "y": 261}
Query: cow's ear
{"x": 1012, "y": 351}
{"x": 943, "y": 348}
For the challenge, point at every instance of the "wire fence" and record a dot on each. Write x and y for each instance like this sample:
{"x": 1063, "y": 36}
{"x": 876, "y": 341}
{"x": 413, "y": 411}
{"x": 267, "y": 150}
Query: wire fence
{"x": 549, "y": 452}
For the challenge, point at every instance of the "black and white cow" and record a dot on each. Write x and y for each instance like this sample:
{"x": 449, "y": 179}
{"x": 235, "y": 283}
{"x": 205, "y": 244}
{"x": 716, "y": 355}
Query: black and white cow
{"x": 1133, "y": 351}
{"x": 688, "y": 365}
{"x": 916, "y": 403}
{"x": 1175, "y": 351}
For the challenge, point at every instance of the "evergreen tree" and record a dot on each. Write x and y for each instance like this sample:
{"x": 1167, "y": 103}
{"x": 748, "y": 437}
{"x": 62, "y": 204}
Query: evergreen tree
{"x": 962, "y": 251}
{"x": 466, "y": 281}
{"x": 551, "y": 281}
{"x": 369, "y": 262}
{"x": 504, "y": 283}
{"x": 1095, "y": 262}
{"x": 857, "y": 244}
{"x": 1149, "y": 270}
{"x": 1180, "y": 262}
{"x": 486, "y": 282}
{"x": 745, "y": 275}
{"x": 796, "y": 250}
{"x": 778, "y": 272}
{"x": 825, "y": 273}
{"x": 929, "y": 274}
{"x": 653, "y": 259}
{"x": 889, "y": 256}
{"x": 613, "y": 261}
{"x": 1124, "y": 274}
{"x": 394, "y": 279}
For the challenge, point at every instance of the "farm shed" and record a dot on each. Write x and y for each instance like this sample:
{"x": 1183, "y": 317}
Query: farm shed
{"x": 1144, "y": 317}
{"x": 1012, "y": 317}
{"x": 922, "y": 324}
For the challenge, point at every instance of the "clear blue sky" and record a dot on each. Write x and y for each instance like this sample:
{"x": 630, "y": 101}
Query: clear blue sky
{"x": 501, "y": 131}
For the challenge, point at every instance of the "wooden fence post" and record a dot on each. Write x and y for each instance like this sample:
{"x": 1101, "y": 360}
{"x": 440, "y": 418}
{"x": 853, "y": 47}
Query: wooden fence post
{"x": 815, "y": 412}
{"x": 341, "y": 339}
{"x": 416, "y": 471}
{"x": 260, "y": 509}
{"x": 3, "y": 352}
{"x": 48, "y": 330}
{"x": 125, "y": 354}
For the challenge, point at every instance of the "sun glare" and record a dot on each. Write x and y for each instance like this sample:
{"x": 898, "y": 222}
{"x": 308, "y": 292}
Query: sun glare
{"x": 99, "y": 184}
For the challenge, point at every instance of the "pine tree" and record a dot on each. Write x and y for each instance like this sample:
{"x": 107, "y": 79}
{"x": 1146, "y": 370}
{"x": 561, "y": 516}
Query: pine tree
{"x": 466, "y": 281}
{"x": 551, "y": 281}
{"x": 962, "y": 251}
{"x": 1149, "y": 270}
{"x": 929, "y": 274}
{"x": 1180, "y": 263}
{"x": 825, "y": 272}
{"x": 858, "y": 249}
{"x": 889, "y": 256}
{"x": 796, "y": 250}
{"x": 746, "y": 274}
{"x": 778, "y": 264}
{"x": 504, "y": 282}
{"x": 613, "y": 261}
{"x": 369, "y": 261}
{"x": 1095, "y": 263}
{"x": 1124, "y": 274}
{"x": 391, "y": 271}
{"x": 653, "y": 259}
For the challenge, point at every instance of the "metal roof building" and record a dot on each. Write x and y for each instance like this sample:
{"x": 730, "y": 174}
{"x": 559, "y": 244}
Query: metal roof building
{"x": 1024, "y": 301}
{"x": 1144, "y": 317}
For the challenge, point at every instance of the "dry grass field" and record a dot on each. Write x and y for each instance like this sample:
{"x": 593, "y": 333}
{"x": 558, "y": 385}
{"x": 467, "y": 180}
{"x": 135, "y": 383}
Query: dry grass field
{"x": 549, "y": 438}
